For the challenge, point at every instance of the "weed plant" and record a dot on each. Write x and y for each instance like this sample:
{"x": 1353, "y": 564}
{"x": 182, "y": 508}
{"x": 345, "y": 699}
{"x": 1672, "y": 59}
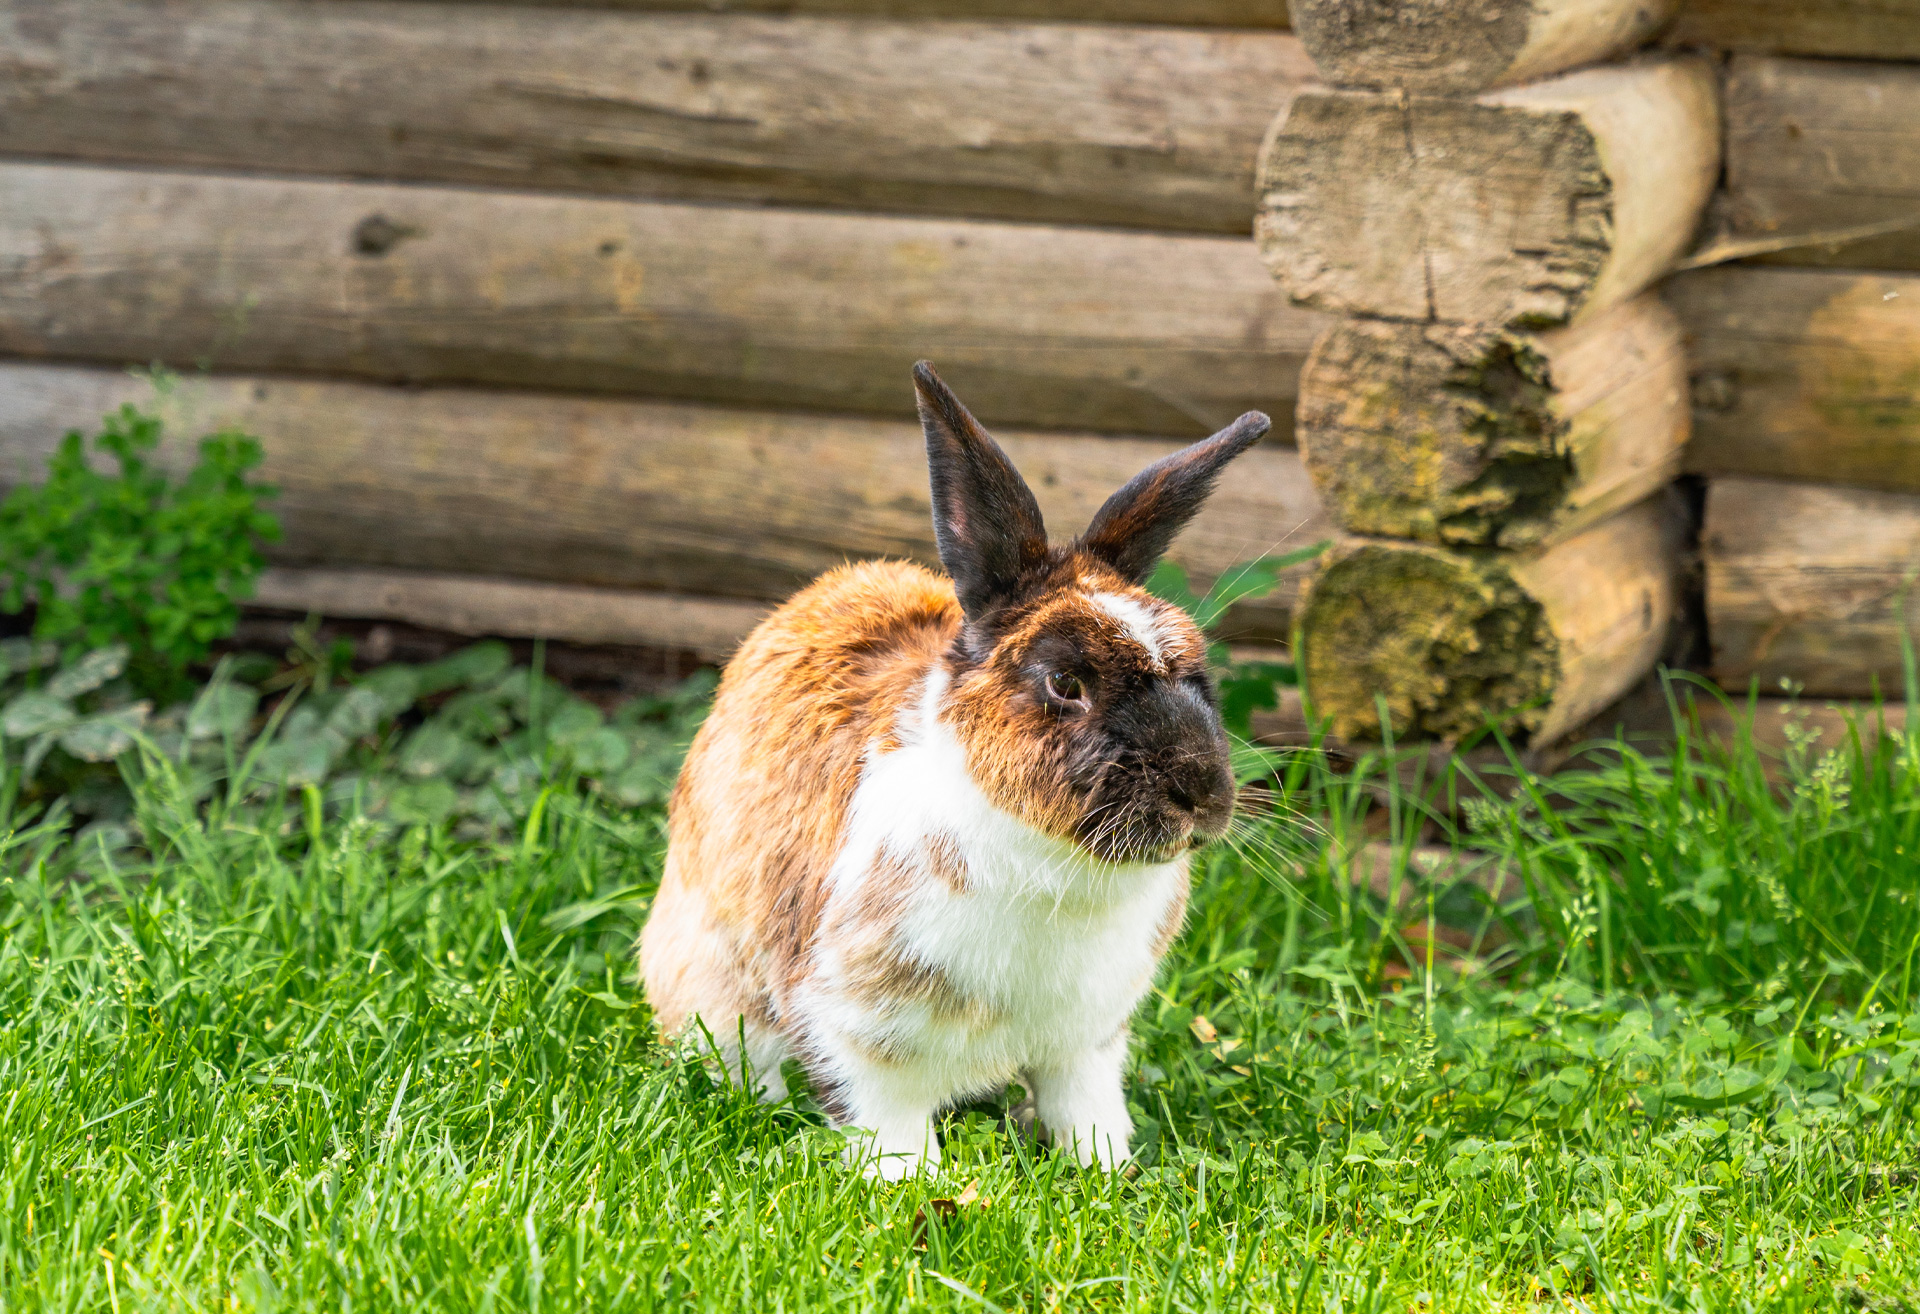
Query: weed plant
{"x": 293, "y": 1051}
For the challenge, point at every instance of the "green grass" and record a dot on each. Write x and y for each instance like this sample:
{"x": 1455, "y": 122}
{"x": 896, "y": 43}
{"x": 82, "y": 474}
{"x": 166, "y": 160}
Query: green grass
{"x": 288, "y": 1055}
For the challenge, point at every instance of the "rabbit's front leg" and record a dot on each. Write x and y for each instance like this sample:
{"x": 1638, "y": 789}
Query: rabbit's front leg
{"x": 891, "y": 1120}
{"x": 1079, "y": 1100}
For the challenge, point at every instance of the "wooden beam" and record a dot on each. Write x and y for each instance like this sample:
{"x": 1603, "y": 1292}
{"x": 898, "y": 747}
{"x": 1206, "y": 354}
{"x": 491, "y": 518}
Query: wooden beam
{"x": 1524, "y": 208}
{"x": 1453, "y": 641}
{"x": 626, "y": 495}
{"x": 1807, "y": 585}
{"x": 710, "y": 628}
{"x": 1185, "y": 13}
{"x": 1475, "y": 436}
{"x": 1858, "y": 29}
{"x": 1059, "y": 327}
{"x": 1142, "y": 127}
{"x": 1804, "y": 374}
{"x": 1820, "y": 153}
{"x": 1442, "y": 47}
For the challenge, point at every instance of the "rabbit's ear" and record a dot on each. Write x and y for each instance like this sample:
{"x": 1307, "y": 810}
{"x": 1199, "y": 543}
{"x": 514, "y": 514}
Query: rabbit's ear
{"x": 985, "y": 520}
{"x": 1132, "y": 530}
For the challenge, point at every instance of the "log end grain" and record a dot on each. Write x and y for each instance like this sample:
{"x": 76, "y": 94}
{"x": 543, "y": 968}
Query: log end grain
{"x": 1451, "y": 642}
{"x": 1447, "y": 48}
{"x": 1440, "y": 433}
{"x": 1432, "y": 209}
{"x": 1447, "y": 642}
{"x": 1527, "y": 208}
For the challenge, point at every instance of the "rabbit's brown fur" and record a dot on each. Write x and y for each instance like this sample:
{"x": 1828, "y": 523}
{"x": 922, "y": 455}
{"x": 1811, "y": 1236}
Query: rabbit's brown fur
{"x": 934, "y": 834}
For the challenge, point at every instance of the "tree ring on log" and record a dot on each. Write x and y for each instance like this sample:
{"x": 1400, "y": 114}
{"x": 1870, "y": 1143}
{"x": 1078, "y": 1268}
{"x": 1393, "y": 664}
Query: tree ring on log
{"x": 1448, "y": 641}
{"x": 1441, "y": 433}
{"x": 1430, "y": 209}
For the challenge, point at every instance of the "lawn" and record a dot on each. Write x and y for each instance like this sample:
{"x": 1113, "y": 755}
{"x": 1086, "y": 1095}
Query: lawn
{"x": 342, "y": 1045}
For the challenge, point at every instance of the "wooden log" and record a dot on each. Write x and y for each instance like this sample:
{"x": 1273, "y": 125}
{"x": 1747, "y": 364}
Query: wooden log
{"x": 710, "y": 628}
{"x": 1477, "y": 436}
{"x": 1523, "y": 208}
{"x": 626, "y": 495}
{"x": 1442, "y": 47}
{"x": 1820, "y": 153}
{"x": 1107, "y": 124}
{"x": 1858, "y": 29}
{"x": 1811, "y": 586}
{"x": 1186, "y": 13}
{"x": 1058, "y": 327}
{"x": 1453, "y": 641}
{"x": 1804, "y": 374}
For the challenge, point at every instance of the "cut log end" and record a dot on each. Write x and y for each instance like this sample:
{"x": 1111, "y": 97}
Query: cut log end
{"x": 1475, "y": 436}
{"x": 1449, "y": 643}
{"x": 1440, "y": 433}
{"x": 1350, "y": 180}
{"x": 1527, "y": 208}
{"x": 1422, "y": 45}
{"x": 1444, "y": 47}
{"x": 1446, "y": 643}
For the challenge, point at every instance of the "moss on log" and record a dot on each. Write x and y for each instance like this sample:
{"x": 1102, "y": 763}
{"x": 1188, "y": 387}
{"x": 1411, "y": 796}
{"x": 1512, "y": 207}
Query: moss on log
{"x": 1477, "y": 436}
{"x": 1449, "y": 642}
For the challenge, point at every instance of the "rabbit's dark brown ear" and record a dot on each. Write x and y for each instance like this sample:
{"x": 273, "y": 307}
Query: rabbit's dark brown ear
{"x": 1133, "y": 529}
{"x": 985, "y": 520}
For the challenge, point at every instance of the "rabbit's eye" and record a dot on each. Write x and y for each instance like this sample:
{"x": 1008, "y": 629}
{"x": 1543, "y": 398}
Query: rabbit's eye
{"x": 1066, "y": 689}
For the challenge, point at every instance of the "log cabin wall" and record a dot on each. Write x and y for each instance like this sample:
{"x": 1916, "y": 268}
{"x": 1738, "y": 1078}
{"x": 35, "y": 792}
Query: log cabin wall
{"x": 593, "y": 320}
{"x": 1574, "y": 247}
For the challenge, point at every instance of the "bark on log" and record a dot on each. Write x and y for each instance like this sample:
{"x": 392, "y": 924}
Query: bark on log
{"x": 1860, "y": 29}
{"x": 710, "y": 628}
{"x": 1443, "y": 47}
{"x": 1523, "y": 208}
{"x": 1144, "y": 127}
{"x": 627, "y": 495}
{"x": 1075, "y": 328}
{"x": 1186, "y": 13}
{"x": 1804, "y": 374}
{"x": 1453, "y": 641}
{"x": 1808, "y": 584}
{"x": 1817, "y": 150}
{"x": 1475, "y": 436}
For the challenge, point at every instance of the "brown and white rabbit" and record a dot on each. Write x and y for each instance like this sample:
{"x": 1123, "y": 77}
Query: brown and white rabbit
{"x": 934, "y": 835}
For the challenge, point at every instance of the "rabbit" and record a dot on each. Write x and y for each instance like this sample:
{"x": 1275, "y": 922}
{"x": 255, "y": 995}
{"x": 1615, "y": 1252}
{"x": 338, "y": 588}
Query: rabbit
{"x": 934, "y": 835}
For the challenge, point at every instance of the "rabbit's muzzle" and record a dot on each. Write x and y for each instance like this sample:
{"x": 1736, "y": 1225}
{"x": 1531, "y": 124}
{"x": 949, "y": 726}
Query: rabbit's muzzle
{"x": 1164, "y": 783}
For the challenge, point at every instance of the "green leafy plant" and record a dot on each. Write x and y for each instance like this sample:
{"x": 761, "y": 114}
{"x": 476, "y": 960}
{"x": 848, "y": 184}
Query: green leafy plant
{"x": 134, "y": 558}
{"x": 1245, "y": 686}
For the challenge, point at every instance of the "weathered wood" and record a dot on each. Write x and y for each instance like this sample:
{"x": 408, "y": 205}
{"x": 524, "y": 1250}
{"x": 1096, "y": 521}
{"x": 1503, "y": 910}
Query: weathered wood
{"x": 1452, "y": 640}
{"x": 1523, "y": 208}
{"x": 1134, "y": 126}
{"x": 1811, "y": 585}
{"x": 1817, "y": 148}
{"x": 627, "y": 495}
{"x": 1477, "y": 436}
{"x": 1443, "y": 47}
{"x": 1861, "y": 29}
{"x": 1186, "y": 13}
{"x": 513, "y": 608}
{"x": 1804, "y": 374}
{"x": 1067, "y": 327}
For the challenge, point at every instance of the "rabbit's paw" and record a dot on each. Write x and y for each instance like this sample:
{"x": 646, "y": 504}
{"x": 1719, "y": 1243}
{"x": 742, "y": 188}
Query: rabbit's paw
{"x": 1081, "y": 1105}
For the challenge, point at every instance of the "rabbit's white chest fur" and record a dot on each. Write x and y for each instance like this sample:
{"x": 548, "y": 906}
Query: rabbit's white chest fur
{"x": 961, "y": 947}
